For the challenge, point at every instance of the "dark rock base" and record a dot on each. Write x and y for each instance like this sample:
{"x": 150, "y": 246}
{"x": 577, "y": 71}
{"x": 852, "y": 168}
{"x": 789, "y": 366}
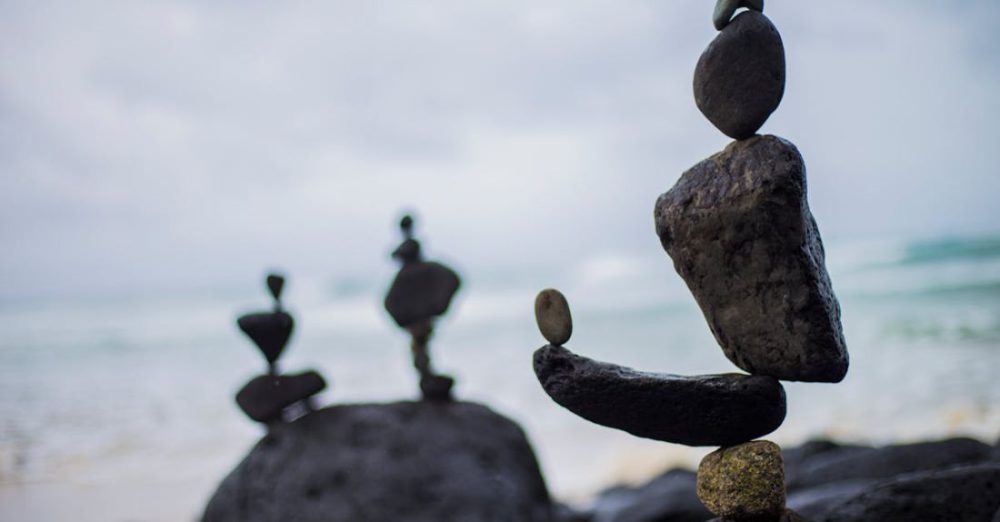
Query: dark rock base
{"x": 412, "y": 461}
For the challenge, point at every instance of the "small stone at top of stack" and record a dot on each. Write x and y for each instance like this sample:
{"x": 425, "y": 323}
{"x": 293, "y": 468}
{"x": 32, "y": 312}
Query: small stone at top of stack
{"x": 740, "y": 78}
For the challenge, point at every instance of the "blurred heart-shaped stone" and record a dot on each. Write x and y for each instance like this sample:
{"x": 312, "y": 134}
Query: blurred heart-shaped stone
{"x": 269, "y": 331}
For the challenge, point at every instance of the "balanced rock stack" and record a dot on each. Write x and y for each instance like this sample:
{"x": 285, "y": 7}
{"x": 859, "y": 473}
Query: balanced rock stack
{"x": 421, "y": 292}
{"x": 740, "y": 233}
{"x": 272, "y": 397}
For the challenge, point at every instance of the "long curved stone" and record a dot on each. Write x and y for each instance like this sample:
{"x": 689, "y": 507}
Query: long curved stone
{"x": 705, "y": 410}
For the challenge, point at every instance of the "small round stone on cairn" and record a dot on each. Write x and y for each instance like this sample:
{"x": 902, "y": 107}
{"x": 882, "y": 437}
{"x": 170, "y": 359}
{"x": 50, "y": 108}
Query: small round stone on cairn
{"x": 553, "y": 316}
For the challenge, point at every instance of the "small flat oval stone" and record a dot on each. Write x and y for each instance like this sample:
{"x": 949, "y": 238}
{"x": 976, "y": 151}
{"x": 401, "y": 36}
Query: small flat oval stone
{"x": 553, "y": 316}
{"x": 725, "y": 9}
{"x": 740, "y": 78}
{"x": 266, "y": 396}
{"x": 744, "y": 482}
{"x": 706, "y": 410}
{"x": 269, "y": 331}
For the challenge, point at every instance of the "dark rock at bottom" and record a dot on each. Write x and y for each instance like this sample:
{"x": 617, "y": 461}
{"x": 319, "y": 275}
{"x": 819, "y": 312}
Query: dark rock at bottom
{"x": 412, "y": 461}
{"x": 787, "y": 516}
{"x": 670, "y": 496}
{"x": 436, "y": 388}
{"x": 961, "y": 493}
{"x": 938, "y": 489}
{"x": 708, "y": 410}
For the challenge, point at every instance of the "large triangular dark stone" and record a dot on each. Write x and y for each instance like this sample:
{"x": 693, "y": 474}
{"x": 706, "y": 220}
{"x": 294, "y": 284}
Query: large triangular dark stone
{"x": 269, "y": 331}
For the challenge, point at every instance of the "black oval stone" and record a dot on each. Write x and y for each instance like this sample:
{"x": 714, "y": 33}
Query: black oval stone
{"x": 740, "y": 78}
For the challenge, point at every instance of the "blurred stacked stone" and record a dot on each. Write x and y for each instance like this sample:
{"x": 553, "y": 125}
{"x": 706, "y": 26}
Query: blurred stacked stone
{"x": 740, "y": 233}
{"x": 420, "y": 293}
{"x": 272, "y": 398}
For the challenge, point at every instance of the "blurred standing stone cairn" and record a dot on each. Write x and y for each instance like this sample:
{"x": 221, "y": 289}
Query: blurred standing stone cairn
{"x": 421, "y": 292}
{"x": 272, "y": 398}
{"x": 740, "y": 233}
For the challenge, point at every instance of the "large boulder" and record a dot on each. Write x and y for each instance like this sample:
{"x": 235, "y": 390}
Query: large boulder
{"x": 670, "y": 496}
{"x": 860, "y": 463}
{"x": 740, "y": 233}
{"x": 963, "y": 493}
{"x": 413, "y": 461}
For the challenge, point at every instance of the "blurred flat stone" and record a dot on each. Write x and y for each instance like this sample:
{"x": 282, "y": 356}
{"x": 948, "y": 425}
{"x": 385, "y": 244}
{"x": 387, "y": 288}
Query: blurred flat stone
{"x": 725, "y": 9}
{"x": 421, "y": 291}
{"x": 740, "y": 233}
{"x": 266, "y": 396}
{"x": 740, "y": 78}
{"x": 746, "y": 481}
{"x": 553, "y": 316}
{"x": 709, "y": 410}
{"x": 269, "y": 331}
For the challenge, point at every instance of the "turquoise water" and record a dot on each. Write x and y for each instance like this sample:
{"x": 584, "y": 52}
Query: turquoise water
{"x": 137, "y": 393}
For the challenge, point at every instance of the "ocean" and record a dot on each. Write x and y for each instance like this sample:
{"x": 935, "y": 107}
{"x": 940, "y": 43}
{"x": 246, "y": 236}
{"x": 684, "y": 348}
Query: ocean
{"x": 122, "y": 408}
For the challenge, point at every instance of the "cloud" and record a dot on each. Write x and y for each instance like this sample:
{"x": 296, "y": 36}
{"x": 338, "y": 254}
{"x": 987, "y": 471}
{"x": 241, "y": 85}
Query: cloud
{"x": 160, "y": 144}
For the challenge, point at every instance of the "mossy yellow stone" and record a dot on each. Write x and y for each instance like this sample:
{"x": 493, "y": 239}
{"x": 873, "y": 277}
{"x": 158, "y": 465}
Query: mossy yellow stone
{"x": 746, "y": 481}
{"x": 553, "y": 317}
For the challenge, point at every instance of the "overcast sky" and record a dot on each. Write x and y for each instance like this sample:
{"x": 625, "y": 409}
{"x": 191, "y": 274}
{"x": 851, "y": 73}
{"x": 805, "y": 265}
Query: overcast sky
{"x": 149, "y": 144}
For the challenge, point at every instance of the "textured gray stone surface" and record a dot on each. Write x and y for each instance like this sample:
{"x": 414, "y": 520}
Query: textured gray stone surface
{"x": 412, "y": 461}
{"x": 740, "y": 78}
{"x": 740, "y": 233}
{"x": 746, "y": 481}
{"x": 707, "y": 410}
